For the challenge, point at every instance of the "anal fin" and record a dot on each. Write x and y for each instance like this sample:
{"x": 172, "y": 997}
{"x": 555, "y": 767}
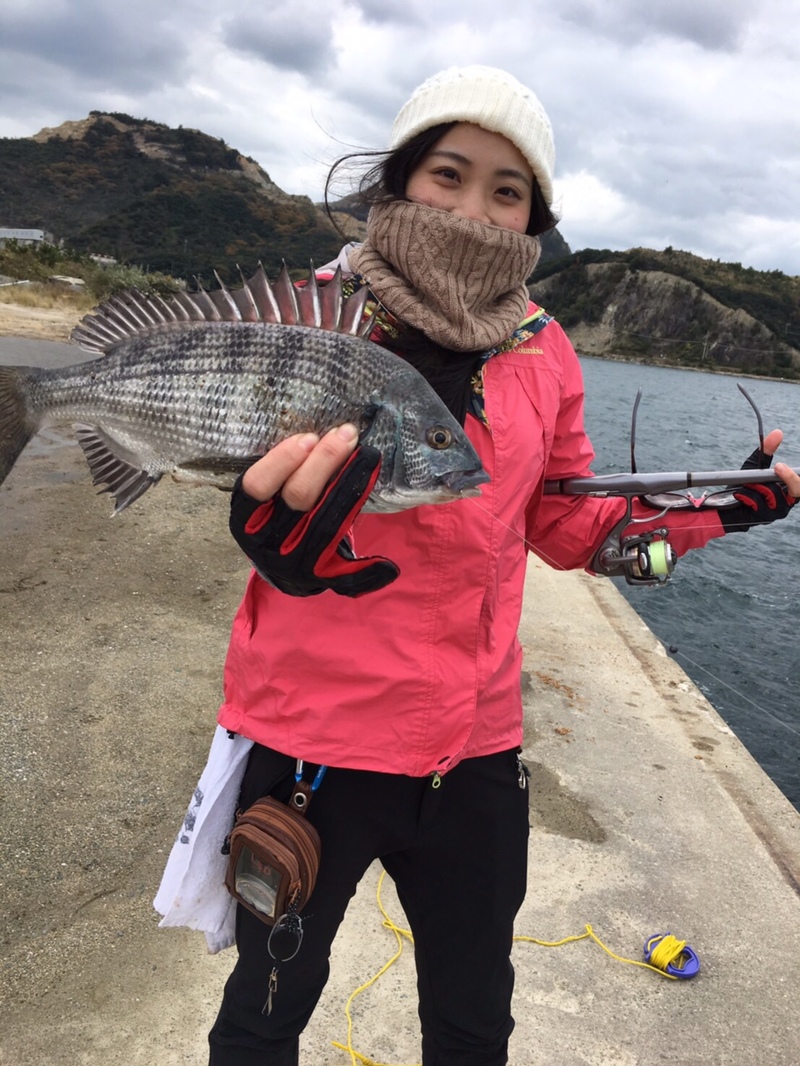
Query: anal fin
{"x": 123, "y": 479}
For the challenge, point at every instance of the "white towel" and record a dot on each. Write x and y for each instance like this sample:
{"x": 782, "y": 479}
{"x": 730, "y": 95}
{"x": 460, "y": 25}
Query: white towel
{"x": 192, "y": 891}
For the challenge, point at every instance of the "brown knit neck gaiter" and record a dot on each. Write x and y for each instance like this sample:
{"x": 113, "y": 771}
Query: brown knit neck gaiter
{"x": 462, "y": 283}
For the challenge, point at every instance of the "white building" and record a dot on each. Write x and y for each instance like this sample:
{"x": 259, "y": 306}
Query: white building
{"x": 25, "y": 236}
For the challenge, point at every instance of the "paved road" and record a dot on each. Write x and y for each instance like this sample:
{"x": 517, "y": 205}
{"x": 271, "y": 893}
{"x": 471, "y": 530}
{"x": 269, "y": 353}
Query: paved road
{"x": 21, "y": 351}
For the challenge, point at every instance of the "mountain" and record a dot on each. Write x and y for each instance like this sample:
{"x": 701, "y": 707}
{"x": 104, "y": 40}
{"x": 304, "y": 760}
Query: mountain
{"x": 174, "y": 201}
{"x": 170, "y": 200}
{"x": 675, "y": 308}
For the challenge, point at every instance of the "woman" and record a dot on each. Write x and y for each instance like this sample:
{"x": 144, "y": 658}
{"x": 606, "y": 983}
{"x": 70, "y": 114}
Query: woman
{"x": 410, "y": 695}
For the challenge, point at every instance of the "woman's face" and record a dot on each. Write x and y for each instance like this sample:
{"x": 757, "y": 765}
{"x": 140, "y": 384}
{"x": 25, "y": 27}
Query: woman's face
{"x": 475, "y": 174}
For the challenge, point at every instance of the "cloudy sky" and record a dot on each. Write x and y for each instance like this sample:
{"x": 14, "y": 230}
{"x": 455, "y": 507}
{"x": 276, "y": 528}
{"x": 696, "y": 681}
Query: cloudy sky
{"x": 677, "y": 122}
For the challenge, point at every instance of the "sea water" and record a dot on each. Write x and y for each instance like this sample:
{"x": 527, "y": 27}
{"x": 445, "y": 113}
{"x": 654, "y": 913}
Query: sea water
{"x": 732, "y": 610}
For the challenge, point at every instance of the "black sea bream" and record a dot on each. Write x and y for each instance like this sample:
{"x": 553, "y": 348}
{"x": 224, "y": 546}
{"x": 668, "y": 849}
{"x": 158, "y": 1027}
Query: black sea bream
{"x": 200, "y": 384}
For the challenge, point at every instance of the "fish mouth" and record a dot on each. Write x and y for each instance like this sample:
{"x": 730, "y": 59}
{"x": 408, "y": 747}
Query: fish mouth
{"x": 456, "y": 485}
{"x": 466, "y": 482}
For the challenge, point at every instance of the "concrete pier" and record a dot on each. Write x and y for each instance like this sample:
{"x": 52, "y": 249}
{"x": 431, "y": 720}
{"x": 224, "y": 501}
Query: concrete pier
{"x": 647, "y": 814}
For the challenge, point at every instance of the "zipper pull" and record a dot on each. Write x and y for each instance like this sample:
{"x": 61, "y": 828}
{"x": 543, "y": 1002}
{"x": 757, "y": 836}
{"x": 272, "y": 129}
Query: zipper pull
{"x": 436, "y": 779}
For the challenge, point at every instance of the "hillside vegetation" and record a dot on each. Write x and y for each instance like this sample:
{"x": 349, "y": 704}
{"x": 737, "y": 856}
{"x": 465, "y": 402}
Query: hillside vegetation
{"x": 172, "y": 201}
{"x": 675, "y": 308}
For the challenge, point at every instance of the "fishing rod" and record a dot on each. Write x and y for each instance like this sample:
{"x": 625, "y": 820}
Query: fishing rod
{"x": 648, "y": 558}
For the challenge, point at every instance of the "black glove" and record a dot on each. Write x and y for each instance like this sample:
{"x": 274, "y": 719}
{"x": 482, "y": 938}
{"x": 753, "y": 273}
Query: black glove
{"x": 303, "y": 553}
{"x": 757, "y": 503}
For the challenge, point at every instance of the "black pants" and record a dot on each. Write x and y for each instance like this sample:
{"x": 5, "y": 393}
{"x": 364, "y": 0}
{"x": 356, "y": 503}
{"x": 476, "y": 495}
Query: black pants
{"x": 458, "y": 857}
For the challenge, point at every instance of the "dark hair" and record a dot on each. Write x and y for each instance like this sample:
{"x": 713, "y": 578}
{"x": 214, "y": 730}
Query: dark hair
{"x": 387, "y": 178}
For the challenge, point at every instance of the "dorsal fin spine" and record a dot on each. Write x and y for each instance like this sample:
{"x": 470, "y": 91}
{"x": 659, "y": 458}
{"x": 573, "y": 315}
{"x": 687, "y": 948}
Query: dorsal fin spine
{"x": 159, "y": 309}
{"x": 206, "y": 305}
{"x": 119, "y": 316}
{"x": 130, "y": 307}
{"x": 175, "y": 309}
{"x": 309, "y": 301}
{"x": 353, "y": 311}
{"x": 189, "y": 306}
{"x": 103, "y": 330}
{"x": 286, "y": 295}
{"x": 229, "y": 309}
{"x": 264, "y": 297}
{"x": 252, "y": 314}
{"x": 331, "y": 302}
{"x": 117, "y": 323}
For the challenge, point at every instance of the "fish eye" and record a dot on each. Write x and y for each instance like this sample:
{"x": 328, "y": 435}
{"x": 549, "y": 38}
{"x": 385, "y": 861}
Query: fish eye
{"x": 439, "y": 437}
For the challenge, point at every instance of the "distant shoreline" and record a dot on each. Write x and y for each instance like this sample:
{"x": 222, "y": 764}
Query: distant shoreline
{"x": 664, "y": 365}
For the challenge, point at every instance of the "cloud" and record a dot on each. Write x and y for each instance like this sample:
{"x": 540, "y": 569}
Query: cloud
{"x": 589, "y": 205}
{"x": 388, "y": 12}
{"x": 134, "y": 46}
{"x": 295, "y": 38}
{"x": 712, "y": 24}
{"x": 730, "y": 233}
{"x": 675, "y": 120}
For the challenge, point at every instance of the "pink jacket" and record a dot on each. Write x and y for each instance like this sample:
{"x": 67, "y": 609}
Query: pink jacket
{"x": 426, "y": 672}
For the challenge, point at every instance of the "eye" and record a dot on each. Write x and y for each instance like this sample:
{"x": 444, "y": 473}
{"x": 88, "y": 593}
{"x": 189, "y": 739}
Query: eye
{"x": 448, "y": 173}
{"x": 508, "y": 193}
{"x": 439, "y": 437}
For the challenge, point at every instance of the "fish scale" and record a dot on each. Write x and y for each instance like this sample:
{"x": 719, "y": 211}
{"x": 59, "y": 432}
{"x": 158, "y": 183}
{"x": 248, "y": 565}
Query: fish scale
{"x": 199, "y": 386}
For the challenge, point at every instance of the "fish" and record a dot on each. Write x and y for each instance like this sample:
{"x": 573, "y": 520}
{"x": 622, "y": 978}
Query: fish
{"x": 200, "y": 385}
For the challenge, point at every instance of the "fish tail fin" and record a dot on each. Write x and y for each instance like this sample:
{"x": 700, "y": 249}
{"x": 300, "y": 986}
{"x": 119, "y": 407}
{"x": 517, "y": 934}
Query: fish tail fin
{"x": 17, "y": 425}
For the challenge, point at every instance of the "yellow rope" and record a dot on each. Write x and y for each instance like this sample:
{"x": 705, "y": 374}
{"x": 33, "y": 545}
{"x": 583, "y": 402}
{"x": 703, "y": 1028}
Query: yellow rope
{"x": 590, "y": 934}
{"x": 399, "y": 933}
{"x": 669, "y": 950}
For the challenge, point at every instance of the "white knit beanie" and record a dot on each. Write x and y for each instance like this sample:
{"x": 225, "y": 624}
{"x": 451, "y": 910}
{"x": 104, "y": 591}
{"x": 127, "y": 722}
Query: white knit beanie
{"x": 492, "y": 99}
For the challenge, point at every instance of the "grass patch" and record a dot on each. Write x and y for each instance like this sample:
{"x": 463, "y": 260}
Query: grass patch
{"x": 47, "y": 297}
{"x": 36, "y": 265}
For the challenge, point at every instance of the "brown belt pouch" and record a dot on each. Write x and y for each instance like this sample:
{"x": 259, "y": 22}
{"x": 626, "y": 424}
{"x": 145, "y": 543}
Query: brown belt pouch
{"x": 274, "y": 856}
